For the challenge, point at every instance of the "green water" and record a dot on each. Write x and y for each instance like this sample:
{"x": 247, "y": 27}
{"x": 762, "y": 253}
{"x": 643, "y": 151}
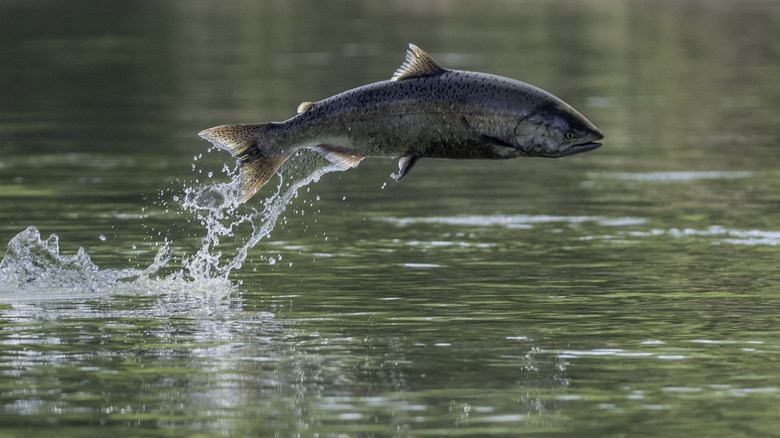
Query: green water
{"x": 630, "y": 291}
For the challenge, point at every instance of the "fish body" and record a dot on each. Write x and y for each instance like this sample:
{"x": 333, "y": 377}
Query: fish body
{"x": 423, "y": 111}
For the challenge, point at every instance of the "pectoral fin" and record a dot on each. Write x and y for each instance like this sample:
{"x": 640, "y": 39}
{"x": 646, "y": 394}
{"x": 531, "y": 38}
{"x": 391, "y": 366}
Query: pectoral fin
{"x": 405, "y": 164}
{"x": 342, "y": 159}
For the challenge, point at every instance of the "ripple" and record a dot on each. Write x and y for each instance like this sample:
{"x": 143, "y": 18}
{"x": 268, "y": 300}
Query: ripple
{"x": 719, "y": 234}
{"x": 671, "y": 177}
{"x": 512, "y": 221}
{"x": 420, "y": 265}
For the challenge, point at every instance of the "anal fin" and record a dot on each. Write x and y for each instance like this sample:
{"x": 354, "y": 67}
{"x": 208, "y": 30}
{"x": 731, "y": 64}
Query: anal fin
{"x": 340, "y": 158}
{"x": 405, "y": 164}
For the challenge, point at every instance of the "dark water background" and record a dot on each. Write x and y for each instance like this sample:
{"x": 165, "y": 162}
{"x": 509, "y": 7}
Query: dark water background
{"x": 631, "y": 291}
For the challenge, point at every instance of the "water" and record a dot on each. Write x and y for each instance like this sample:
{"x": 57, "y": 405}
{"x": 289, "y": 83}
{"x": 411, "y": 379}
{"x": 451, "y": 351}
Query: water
{"x": 630, "y": 291}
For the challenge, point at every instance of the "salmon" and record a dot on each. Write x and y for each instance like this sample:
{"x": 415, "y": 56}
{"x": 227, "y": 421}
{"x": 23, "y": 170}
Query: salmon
{"x": 422, "y": 111}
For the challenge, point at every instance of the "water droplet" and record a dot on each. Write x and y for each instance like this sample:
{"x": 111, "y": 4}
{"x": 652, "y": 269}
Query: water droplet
{"x": 102, "y": 237}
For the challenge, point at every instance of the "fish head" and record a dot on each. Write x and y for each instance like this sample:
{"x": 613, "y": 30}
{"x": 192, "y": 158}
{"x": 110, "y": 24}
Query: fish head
{"x": 556, "y": 130}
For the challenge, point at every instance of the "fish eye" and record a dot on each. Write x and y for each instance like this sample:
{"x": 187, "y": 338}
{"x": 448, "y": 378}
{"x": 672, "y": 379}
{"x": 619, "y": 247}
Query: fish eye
{"x": 569, "y": 135}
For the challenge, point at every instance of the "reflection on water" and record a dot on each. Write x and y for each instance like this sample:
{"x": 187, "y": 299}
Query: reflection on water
{"x": 625, "y": 293}
{"x": 208, "y": 362}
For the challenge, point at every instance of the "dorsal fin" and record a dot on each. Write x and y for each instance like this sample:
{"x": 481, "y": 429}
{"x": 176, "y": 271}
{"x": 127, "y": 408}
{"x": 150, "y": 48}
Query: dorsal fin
{"x": 417, "y": 63}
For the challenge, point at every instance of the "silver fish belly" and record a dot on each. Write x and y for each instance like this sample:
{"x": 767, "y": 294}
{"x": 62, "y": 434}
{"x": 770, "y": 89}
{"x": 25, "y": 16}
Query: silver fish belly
{"x": 423, "y": 111}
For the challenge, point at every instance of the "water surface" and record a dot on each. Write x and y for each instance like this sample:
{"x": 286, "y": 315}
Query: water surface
{"x": 630, "y": 291}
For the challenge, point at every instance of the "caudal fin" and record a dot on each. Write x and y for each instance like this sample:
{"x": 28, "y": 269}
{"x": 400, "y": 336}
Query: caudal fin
{"x": 256, "y": 165}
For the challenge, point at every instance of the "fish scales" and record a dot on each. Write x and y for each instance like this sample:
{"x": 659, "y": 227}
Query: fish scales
{"x": 420, "y": 115}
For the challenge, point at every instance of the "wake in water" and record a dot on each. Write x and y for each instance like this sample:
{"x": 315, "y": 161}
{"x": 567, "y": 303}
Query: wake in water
{"x": 31, "y": 263}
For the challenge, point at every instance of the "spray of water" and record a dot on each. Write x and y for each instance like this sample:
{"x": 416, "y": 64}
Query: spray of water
{"x": 217, "y": 210}
{"x": 31, "y": 263}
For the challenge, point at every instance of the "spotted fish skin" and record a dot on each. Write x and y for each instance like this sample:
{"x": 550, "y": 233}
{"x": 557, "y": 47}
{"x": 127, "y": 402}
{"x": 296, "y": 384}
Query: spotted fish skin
{"x": 423, "y": 111}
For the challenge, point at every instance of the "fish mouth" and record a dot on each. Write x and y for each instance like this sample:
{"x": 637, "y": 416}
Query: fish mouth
{"x": 580, "y": 148}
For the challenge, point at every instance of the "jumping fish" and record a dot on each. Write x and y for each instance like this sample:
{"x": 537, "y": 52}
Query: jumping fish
{"x": 423, "y": 111}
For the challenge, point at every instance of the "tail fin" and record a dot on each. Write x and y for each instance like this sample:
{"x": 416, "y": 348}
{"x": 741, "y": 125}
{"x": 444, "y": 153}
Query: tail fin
{"x": 256, "y": 166}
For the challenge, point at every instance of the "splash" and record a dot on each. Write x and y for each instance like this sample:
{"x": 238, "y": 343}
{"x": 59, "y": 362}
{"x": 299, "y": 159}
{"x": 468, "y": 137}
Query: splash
{"x": 216, "y": 207}
{"x": 32, "y": 263}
